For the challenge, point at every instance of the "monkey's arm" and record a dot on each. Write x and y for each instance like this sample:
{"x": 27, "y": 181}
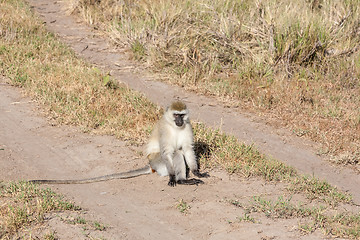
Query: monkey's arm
{"x": 166, "y": 151}
{"x": 190, "y": 157}
{"x": 170, "y": 169}
{"x": 130, "y": 174}
{"x": 192, "y": 163}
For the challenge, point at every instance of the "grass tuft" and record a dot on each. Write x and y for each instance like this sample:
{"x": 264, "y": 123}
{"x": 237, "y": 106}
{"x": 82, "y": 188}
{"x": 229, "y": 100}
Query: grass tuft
{"x": 227, "y": 152}
{"x": 343, "y": 224}
{"x": 25, "y": 204}
{"x": 314, "y": 188}
{"x": 183, "y": 206}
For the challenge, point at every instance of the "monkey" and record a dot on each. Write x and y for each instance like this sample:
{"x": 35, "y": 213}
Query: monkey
{"x": 169, "y": 152}
{"x": 172, "y": 141}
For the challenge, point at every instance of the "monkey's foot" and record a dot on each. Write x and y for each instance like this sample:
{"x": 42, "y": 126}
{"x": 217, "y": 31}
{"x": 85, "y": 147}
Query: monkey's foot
{"x": 172, "y": 183}
{"x": 192, "y": 181}
{"x": 200, "y": 175}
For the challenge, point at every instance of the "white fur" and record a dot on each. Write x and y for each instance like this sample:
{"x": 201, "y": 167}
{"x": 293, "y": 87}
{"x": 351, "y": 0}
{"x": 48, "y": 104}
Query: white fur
{"x": 172, "y": 141}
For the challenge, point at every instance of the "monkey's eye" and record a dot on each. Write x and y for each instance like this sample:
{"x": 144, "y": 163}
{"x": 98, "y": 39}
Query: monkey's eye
{"x": 176, "y": 115}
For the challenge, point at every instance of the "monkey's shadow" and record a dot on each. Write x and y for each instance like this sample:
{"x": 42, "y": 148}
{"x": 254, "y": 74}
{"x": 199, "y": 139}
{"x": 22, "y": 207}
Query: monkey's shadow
{"x": 201, "y": 149}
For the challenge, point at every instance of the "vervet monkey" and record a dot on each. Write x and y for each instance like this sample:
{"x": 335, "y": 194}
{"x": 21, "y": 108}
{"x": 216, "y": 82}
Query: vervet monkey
{"x": 172, "y": 141}
{"x": 169, "y": 151}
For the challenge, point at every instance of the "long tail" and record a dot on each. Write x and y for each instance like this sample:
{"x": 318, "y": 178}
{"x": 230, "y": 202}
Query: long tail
{"x": 130, "y": 174}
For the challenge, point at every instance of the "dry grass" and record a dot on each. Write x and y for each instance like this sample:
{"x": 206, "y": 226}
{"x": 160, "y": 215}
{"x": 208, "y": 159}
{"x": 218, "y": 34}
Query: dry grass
{"x": 216, "y": 149}
{"x": 297, "y": 63}
{"x": 73, "y": 91}
{"x": 313, "y": 217}
{"x": 24, "y": 204}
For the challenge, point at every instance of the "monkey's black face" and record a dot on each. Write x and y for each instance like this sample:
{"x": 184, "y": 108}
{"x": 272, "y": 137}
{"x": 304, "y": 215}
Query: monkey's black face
{"x": 179, "y": 119}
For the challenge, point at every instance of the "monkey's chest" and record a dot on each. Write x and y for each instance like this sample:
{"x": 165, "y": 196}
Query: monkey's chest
{"x": 176, "y": 139}
{"x": 180, "y": 141}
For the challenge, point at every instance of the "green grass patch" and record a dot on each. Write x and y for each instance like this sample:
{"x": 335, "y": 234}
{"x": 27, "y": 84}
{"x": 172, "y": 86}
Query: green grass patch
{"x": 183, "y": 206}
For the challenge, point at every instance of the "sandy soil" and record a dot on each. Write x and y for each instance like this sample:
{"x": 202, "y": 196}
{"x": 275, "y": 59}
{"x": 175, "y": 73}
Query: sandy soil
{"x": 145, "y": 207}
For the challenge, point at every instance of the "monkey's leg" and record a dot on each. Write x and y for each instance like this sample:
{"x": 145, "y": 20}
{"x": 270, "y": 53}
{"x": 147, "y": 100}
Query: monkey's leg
{"x": 170, "y": 169}
{"x": 180, "y": 170}
{"x": 157, "y": 164}
{"x": 179, "y": 166}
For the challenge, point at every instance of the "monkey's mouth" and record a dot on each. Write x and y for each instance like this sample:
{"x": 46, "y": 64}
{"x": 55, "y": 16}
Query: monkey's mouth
{"x": 179, "y": 124}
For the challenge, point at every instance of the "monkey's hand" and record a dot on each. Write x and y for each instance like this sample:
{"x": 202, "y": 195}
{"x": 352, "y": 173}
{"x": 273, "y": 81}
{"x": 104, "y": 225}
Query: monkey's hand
{"x": 172, "y": 181}
{"x": 200, "y": 175}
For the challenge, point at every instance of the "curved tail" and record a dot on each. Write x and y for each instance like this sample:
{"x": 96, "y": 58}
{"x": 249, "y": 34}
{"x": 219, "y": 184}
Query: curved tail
{"x": 130, "y": 174}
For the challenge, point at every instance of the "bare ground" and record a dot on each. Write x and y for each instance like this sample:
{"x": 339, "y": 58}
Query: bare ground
{"x": 145, "y": 207}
